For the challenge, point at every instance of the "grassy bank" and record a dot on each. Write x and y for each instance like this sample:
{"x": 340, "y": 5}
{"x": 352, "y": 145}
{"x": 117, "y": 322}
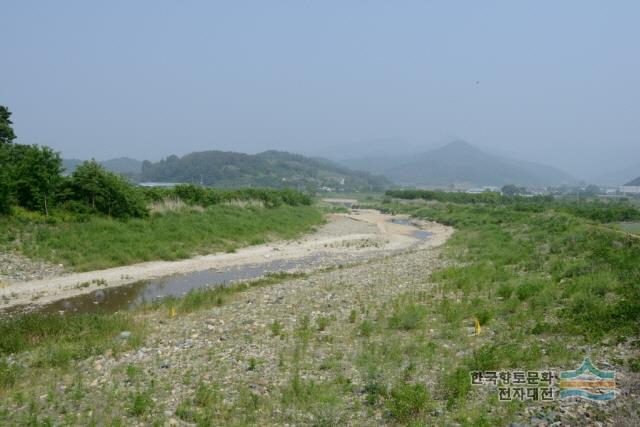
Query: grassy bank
{"x": 565, "y": 273}
{"x": 547, "y": 283}
{"x": 100, "y": 242}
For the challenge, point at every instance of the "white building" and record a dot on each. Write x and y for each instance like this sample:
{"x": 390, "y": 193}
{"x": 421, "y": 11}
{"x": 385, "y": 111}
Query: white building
{"x": 630, "y": 189}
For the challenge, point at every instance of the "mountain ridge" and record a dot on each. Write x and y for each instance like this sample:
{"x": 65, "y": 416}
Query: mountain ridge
{"x": 460, "y": 163}
{"x": 122, "y": 165}
{"x": 270, "y": 168}
{"x": 633, "y": 182}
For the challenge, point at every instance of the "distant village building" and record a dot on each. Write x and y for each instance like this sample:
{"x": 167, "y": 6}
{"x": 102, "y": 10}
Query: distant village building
{"x": 484, "y": 189}
{"x": 159, "y": 184}
{"x": 630, "y": 189}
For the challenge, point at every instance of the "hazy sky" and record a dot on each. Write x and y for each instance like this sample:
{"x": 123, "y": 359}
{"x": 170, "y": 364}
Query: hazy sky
{"x": 559, "y": 81}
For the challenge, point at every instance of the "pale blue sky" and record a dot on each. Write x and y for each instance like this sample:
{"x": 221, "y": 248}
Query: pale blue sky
{"x": 559, "y": 81}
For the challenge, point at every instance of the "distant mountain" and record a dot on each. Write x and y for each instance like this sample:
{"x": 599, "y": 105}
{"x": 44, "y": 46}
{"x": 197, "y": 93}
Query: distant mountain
{"x": 463, "y": 164}
{"x": 618, "y": 177}
{"x": 377, "y": 165}
{"x": 379, "y": 148}
{"x": 634, "y": 183}
{"x": 124, "y": 165}
{"x": 70, "y": 165}
{"x": 268, "y": 169}
{"x": 121, "y": 165}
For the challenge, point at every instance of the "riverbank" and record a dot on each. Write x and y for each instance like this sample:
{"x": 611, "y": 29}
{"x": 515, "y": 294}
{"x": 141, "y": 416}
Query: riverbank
{"x": 173, "y": 231}
{"x": 358, "y": 235}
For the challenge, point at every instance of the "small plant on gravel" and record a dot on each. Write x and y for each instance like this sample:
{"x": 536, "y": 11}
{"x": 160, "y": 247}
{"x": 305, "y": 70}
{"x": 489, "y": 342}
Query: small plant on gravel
{"x": 504, "y": 291}
{"x": 8, "y": 373}
{"x": 303, "y": 331}
{"x": 206, "y": 395}
{"x": 408, "y": 401}
{"x": 133, "y": 372}
{"x": 252, "y": 364}
{"x": 353, "y": 316}
{"x": 141, "y": 403}
{"x": 374, "y": 389}
{"x": 484, "y": 316}
{"x": 186, "y": 412}
{"x": 456, "y": 385}
{"x": 366, "y": 328}
{"x": 407, "y": 316}
{"x": 322, "y": 323}
{"x": 276, "y": 328}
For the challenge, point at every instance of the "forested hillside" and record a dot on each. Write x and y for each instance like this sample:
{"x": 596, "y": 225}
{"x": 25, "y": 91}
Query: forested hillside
{"x": 275, "y": 169}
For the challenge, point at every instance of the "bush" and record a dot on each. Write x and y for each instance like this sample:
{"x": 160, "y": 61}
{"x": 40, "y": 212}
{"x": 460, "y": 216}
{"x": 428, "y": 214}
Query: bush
{"x": 407, "y": 316}
{"x": 456, "y": 385}
{"x": 30, "y": 176}
{"x": 408, "y": 401}
{"x": 195, "y": 195}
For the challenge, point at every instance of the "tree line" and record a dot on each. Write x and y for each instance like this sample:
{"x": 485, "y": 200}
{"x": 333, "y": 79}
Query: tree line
{"x": 31, "y": 177}
{"x": 594, "y": 210}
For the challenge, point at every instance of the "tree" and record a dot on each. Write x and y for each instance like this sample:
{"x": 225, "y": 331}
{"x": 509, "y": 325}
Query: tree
{"x": 106, "y": 192}
{"x": 592, "y": 190}
{"x": 36, "y": 176}
{"x": 86, "y": 180}
{"x": 5, "y": 182}
{"x": 512, "y": 190}
{"x": 6, "y": 131}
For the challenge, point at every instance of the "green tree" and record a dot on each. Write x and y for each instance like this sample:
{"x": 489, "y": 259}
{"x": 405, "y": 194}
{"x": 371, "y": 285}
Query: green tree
{"x": 36, "y": 176}
{"x": 106, "y": 192}
{"x": 512, "y": 190}
{"x": 6, "y": 131}
{"x": 5, "y": 187}
{"x": 86, "y": 182}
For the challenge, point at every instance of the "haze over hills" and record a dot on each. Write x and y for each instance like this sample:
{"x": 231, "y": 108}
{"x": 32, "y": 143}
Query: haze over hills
{"x": 463, "y": 164}
{"x": 122, "y": 165}
{"x": 633, "y": 183}
{"x": 267, "y": 169}
{"x": 619, "y": 177}
{"x": 376, "y": 148}
{"x": 457, "y": 163}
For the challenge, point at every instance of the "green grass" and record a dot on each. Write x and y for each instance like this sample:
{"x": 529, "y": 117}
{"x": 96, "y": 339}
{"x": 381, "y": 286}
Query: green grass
{"x": 579, "y": 274}
{"x": 51, "y": 342}
{"x": 537, "y": 277}
{"x": 100, "y": 242}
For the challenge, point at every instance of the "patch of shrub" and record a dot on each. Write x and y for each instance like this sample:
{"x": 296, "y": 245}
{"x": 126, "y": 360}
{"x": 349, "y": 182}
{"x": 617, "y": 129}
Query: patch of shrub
{"x": 407, "y": 401}
{"x": 407, "y": 316}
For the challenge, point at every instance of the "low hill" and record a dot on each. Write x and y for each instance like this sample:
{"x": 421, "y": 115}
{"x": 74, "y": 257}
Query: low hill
{"x": 618, "y": 177}
{"x": 633, "y": 183}
{"x": 275, "y": 169}
{"x": 461, "y": 163}
{"x": 123, "y": 165}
